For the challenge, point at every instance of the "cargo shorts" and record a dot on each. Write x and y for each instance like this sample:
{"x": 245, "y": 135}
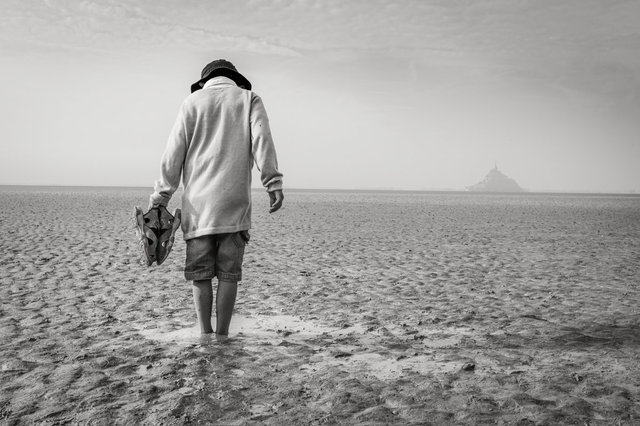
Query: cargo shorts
{"x": 218, "y": 255}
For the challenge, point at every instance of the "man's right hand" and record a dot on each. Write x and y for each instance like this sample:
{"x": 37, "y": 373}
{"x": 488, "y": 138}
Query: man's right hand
{"x": 275, "y": 200}
{"x": 152, "y": 205}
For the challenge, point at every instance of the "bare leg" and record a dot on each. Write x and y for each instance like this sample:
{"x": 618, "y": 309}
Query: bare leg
{"x": 225, "y": 301}
{"x": 203, "y": 299}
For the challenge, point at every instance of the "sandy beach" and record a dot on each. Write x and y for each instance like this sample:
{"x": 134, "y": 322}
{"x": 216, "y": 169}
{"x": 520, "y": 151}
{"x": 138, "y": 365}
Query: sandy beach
{"x": 356, "y": 308}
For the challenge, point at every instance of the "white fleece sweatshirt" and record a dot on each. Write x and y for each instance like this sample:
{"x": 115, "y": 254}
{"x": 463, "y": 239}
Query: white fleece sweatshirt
{"x": 221, "y": 130}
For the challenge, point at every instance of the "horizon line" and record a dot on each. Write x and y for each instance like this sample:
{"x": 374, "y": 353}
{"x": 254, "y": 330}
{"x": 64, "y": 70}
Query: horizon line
{"x": 293, "y": 189}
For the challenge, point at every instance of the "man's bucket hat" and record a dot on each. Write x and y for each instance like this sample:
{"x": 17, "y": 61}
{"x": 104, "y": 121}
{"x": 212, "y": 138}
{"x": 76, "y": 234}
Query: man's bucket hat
{"x": 218, "y": 68}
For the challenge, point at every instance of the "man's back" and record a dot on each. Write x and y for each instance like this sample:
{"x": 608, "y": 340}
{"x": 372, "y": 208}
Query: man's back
{"x": 220, "y": 131}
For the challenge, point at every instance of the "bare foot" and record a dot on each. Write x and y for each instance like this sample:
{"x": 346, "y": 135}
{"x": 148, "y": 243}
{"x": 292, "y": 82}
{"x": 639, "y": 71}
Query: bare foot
{"x": 222, "y": 338}
{"x": 206, "y": 339}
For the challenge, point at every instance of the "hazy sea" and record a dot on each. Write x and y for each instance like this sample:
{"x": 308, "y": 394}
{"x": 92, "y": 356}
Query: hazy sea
{"x": 373, "y": 194}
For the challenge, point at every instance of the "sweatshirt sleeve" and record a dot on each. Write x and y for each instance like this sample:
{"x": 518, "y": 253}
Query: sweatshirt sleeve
{"x": 171, "y": 163}
{"x": 262, "y": 147}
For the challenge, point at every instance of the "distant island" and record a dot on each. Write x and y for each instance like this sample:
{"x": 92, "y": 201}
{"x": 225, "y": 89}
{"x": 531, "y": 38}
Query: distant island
{"x": 496, "y": 181}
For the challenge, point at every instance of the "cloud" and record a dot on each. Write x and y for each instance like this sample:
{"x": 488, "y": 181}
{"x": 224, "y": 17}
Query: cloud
{"x": 496, "y": 28}
{"x": 126, "y": 25}
{"x": 583, "y": 45}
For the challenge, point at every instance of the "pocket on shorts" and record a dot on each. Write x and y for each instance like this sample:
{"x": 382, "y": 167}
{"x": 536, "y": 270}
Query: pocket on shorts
{"x": 239, "y": 239}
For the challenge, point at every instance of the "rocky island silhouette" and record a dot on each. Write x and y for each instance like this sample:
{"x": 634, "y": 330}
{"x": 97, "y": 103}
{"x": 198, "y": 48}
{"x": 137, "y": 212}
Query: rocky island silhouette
{"x": 496, "y": 181}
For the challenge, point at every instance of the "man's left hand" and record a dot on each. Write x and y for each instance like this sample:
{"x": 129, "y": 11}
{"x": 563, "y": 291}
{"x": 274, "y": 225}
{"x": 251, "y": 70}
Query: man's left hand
{"x": 275, "y": 200}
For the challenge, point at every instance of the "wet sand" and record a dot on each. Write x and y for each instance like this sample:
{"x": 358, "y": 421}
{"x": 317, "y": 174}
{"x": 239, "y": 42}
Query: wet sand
{"x": 356, "y": 308}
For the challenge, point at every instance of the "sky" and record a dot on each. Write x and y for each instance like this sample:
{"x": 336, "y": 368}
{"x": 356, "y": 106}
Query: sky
{"x": 361, "y": 94}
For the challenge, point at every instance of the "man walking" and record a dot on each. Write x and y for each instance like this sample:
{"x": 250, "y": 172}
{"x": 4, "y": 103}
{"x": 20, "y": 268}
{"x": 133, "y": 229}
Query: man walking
{"x": 221, "y": 130}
